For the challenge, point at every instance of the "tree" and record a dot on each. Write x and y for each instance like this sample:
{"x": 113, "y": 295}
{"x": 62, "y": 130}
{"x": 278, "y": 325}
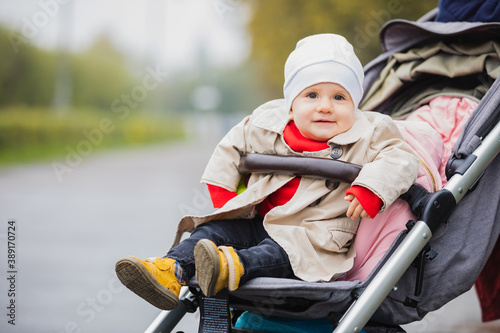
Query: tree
{"x": 26, "y": 73}
{"x": 99, "y": 75}
{"x": 277, "y": 25}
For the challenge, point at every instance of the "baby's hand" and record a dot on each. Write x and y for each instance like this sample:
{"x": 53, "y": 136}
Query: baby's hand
{"x": 355, "y": 209}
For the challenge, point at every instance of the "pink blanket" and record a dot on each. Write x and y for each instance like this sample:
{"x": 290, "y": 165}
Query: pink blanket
{"x": 431, "y": 131}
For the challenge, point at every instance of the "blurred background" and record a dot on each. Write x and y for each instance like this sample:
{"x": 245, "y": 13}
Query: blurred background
{"x": 109, "y": 111}
{"x": 66, "y": 64}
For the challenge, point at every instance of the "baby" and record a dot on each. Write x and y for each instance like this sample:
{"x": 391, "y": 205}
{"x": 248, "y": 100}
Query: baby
{"x": 284, "y": 225}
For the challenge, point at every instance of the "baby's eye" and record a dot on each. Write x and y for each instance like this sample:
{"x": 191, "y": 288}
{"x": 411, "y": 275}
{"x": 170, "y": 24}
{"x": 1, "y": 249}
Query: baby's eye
{"x": 338, "y": 97}
{"x": 312, "y": 95}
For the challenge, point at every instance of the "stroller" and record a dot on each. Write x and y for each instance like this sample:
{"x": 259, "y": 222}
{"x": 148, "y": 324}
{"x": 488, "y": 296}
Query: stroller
{"x": 434, "y": 259}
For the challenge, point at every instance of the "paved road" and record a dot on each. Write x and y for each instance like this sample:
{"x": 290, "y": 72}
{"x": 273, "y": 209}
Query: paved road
{"x": 69, "y": 234}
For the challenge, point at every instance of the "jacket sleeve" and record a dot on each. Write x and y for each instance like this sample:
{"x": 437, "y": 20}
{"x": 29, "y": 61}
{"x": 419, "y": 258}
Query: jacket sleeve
{"x": 370, "y": 202}
{"x": 219, "y": 195}
{"x": 393, "y": 164}
{"x": 222, "y": 168}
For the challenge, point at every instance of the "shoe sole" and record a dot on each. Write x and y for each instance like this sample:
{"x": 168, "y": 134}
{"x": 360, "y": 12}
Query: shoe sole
{"x": 137, "y": 278}
{"x": 207, "y": 264}
{"x": 231, "y": 274}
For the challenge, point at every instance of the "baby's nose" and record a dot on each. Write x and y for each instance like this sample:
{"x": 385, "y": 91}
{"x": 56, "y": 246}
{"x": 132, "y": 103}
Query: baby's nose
{"x": 324, "y": 105}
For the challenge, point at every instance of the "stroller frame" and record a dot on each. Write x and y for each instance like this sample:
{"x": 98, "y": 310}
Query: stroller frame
{"x": 437, "y": 209}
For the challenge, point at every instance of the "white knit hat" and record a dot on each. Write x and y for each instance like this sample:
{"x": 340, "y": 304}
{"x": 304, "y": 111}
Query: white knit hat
{"x": 323, "y": 58}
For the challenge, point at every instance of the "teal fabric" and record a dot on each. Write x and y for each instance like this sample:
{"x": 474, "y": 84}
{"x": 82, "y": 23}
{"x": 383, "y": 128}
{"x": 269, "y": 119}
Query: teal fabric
{"x": 256, "y": 322}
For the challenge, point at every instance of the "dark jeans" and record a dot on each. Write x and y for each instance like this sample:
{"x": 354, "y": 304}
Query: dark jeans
{"x": 259, "y": 254}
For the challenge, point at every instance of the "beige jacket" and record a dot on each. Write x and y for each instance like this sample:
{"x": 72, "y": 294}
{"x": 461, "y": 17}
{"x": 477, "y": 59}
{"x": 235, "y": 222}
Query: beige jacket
{"x": 312, "y": 227}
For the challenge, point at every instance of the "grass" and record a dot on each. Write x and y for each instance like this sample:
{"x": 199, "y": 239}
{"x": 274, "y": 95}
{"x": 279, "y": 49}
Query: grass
{"x": 31, "y": 134}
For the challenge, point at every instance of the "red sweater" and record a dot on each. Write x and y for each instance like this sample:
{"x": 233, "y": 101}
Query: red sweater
{"x": 370, "y": 201}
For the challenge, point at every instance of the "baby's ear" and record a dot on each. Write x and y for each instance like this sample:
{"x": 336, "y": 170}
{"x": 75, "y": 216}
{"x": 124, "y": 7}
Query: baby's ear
{"x": 290, "y": 114}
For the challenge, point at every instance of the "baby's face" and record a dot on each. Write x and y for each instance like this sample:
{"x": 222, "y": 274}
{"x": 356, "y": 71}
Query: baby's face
{"x": 322, "y": 111}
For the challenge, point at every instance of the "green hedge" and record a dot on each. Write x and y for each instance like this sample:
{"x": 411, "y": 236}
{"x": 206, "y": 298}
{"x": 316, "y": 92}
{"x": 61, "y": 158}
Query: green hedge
{"x": 37, "y": 133}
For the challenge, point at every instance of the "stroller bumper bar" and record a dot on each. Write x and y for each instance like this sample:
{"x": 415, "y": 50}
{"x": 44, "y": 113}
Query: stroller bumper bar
{"x": 299, "y": 165}
{"x": 338, "y": 171}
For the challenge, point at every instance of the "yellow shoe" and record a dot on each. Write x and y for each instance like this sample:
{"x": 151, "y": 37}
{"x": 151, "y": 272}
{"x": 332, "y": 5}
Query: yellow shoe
{"x": 216, "y": 267}
{"x": 152, "y": 279}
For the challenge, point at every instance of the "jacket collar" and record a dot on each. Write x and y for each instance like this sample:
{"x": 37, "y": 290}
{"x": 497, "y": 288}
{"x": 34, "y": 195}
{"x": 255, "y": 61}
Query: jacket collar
{"x": 274, "y": 118}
